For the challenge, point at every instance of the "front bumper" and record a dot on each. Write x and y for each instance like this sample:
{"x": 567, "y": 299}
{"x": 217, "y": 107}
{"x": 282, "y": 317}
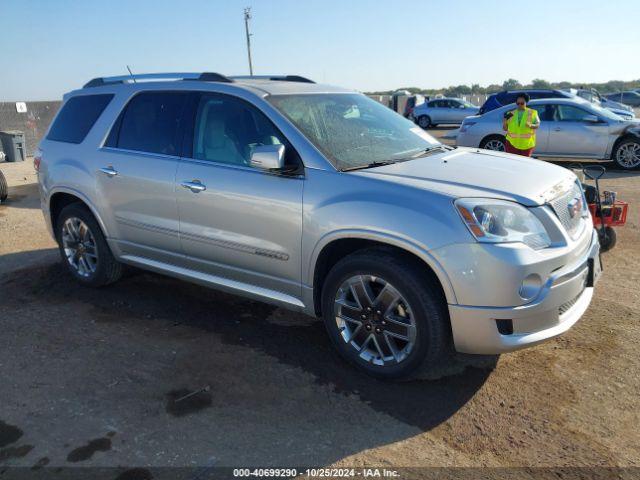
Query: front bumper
{"x": 559, "y": 306}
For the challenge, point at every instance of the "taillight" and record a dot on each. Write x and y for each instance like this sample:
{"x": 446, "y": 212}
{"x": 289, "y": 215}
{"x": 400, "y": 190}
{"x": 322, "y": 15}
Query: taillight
{"x": 37, "y": 158}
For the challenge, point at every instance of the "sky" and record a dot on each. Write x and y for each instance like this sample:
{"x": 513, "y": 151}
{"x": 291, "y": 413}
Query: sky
{"x": 49, "y": 47}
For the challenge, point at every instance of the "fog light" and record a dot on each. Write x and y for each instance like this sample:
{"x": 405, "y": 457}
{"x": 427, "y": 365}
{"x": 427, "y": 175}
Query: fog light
{"x": 530, "y": 286}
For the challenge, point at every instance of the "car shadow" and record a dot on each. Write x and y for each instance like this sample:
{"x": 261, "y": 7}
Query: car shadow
{"x": 291, "y": 338}
{"x": 22, "y": 196}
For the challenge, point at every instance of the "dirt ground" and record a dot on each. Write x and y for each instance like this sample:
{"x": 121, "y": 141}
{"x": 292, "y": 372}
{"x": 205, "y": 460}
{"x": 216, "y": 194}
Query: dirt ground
{"x": 90, "y": 377}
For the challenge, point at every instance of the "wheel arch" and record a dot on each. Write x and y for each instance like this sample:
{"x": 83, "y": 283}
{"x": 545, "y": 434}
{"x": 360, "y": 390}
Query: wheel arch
{"x": 336, "y": 246}
{"x": 489, "y": 136}
{"x": 619, "y": 140}
{"x": 62, "y": 197}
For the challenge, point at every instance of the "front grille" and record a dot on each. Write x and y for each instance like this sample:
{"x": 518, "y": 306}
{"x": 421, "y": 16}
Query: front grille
{"x": 565, "y": 307}
{"x": 562, "y": 207}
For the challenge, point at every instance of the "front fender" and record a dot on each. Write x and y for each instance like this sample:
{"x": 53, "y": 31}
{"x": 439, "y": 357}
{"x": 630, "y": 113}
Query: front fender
{"x": 386, "y": 238}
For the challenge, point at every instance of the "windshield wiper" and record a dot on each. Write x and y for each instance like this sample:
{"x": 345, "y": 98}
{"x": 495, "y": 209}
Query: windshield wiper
{"x": 429, "y": 150}
{"x": 369, "y": 165}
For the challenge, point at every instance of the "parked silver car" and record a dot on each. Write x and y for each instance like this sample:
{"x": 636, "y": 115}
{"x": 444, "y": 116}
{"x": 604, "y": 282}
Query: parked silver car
{"x": 569, "y": 128}
{"x": 320, "y": 200}
{"x": 443, "y": 111}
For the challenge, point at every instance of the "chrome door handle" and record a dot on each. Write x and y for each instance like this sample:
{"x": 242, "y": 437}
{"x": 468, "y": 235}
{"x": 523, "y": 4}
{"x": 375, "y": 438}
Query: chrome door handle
{"x": 195, "y": 186}
{"x": 110, "y": 171}
{"x": 557, "y": 129}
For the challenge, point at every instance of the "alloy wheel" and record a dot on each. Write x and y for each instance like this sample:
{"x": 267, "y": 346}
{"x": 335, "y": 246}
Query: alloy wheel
{"x": 79, "y": 247}
{"x": 628, "y": 155}
{"x": 497, "y": 145}
{"x": 375, "y": 319}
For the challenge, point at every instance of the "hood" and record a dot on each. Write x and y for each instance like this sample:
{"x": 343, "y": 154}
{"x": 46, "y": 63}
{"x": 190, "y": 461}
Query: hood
{"x": 466, "y": 172}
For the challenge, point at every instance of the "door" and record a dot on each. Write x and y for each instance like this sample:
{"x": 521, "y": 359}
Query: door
{"x": 459, "y": 111}
{"x": 136, "y": 176}
{"x": 437, "y": 111}
{"x": 545, "y": 114}
{"x": 572, "y": 134}
{"x": 238, "y": 222}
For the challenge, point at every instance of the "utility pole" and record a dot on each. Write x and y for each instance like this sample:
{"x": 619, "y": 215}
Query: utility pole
{"x": 247, "y": 17}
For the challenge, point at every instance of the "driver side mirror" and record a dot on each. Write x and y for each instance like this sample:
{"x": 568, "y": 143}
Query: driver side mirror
{"x": 268, "y": 157}
{"x": 591, "y": 119}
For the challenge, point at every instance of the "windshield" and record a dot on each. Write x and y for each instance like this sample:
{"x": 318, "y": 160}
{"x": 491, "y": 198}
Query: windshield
{"x": 352, "y": 130}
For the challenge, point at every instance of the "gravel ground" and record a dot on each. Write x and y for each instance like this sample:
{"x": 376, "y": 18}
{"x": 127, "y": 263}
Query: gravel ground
{"x": 90, "y": 377}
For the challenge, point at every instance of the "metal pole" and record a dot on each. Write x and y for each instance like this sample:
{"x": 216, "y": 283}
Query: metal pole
{"x": 247, "y": 17}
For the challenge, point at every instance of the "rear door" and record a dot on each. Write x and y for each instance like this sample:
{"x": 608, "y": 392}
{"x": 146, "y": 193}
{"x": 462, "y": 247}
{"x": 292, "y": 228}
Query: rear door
{"x": 571, "y": 135}
{"x": 136, "y": 175}
{"x": 236, "y": 221}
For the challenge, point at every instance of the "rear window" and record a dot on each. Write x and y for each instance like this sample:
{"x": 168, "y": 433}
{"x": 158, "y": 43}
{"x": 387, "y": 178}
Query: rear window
{"x": 150, "y": 123}
{"x": 77, "y": 117}
{"x": 506, "y": 98}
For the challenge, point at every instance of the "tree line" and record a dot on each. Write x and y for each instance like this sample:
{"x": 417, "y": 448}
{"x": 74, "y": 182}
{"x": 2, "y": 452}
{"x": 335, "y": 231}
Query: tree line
{"x": 513, "y": 84}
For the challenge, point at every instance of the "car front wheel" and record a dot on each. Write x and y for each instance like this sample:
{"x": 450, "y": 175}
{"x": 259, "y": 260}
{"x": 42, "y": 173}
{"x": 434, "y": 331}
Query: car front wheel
{"x": 627, "y": 154}
{"x": 83, "y": 248}
{"x": 385, "y": 314}
{"x": 495, "y": 142}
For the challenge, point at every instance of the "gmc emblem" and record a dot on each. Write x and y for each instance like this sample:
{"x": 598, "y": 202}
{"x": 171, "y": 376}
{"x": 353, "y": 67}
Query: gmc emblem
{"x": 575, "y": 207}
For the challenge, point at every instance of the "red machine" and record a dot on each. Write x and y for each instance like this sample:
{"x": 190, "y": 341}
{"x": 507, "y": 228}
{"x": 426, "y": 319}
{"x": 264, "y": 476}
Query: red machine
{"x": 606, "y": 211}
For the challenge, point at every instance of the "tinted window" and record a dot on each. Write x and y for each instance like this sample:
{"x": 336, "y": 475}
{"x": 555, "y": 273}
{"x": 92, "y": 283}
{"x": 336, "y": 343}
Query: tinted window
{"x": 77, "y": 117}
{"x": 228, "y": 129}
{"x": 150, "y": 123}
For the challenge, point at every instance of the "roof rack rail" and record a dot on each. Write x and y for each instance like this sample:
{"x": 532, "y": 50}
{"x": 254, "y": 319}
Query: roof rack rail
{"x": 204, "y": 77}
{"x": 282, "y": 78}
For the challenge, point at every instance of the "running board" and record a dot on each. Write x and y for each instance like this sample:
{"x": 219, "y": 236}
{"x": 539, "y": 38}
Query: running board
{"x": 214, "y": 281}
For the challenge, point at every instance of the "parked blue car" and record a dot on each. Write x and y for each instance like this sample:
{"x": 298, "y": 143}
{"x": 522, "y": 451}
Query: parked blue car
{"x": 507, "y": 97}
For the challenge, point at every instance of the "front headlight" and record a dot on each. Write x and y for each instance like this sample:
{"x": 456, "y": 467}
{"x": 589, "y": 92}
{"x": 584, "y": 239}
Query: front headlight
{"x": 499, "y": 221}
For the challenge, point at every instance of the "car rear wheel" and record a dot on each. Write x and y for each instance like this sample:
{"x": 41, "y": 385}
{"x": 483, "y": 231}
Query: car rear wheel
{"x": 424, "y": 121}
{"x": 495, "y": 142}
{"x": 627, "y": 154}
{"x": 385, "y": 314}
{"x": 83, "y": 248}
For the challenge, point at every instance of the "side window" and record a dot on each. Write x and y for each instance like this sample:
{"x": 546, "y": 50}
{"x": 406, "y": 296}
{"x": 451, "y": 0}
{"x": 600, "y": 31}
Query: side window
{"x": 77, "y": 117}
{"x": 568, "y": 113}
{"x": 227, "y": 130}
{"x": 545, "y": 112}
{"x": 150, "y": 123}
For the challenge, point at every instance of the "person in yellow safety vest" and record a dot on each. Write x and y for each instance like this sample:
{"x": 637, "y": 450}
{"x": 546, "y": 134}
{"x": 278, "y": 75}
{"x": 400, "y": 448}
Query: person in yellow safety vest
{"x": 521, "y": 125}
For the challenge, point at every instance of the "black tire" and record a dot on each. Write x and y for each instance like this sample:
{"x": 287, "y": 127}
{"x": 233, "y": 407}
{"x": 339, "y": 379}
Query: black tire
{"x": 426, "y": 304}
{"x": 618, "y": 155}
{"x": 4, "y": 189}
{"x": 107, "y": 268}
{"x": 424, "y": 121}
{"x": 608, "y": 238}
{"x": 493, "y": 140}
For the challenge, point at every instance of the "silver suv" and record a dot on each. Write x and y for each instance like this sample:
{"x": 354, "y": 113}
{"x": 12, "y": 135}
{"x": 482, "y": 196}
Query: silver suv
{"x": 323, "y": 201}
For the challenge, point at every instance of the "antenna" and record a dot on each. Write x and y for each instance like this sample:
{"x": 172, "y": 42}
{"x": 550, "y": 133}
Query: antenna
{"x": 247, "y": 17}
{"x": 131, "y": 73}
